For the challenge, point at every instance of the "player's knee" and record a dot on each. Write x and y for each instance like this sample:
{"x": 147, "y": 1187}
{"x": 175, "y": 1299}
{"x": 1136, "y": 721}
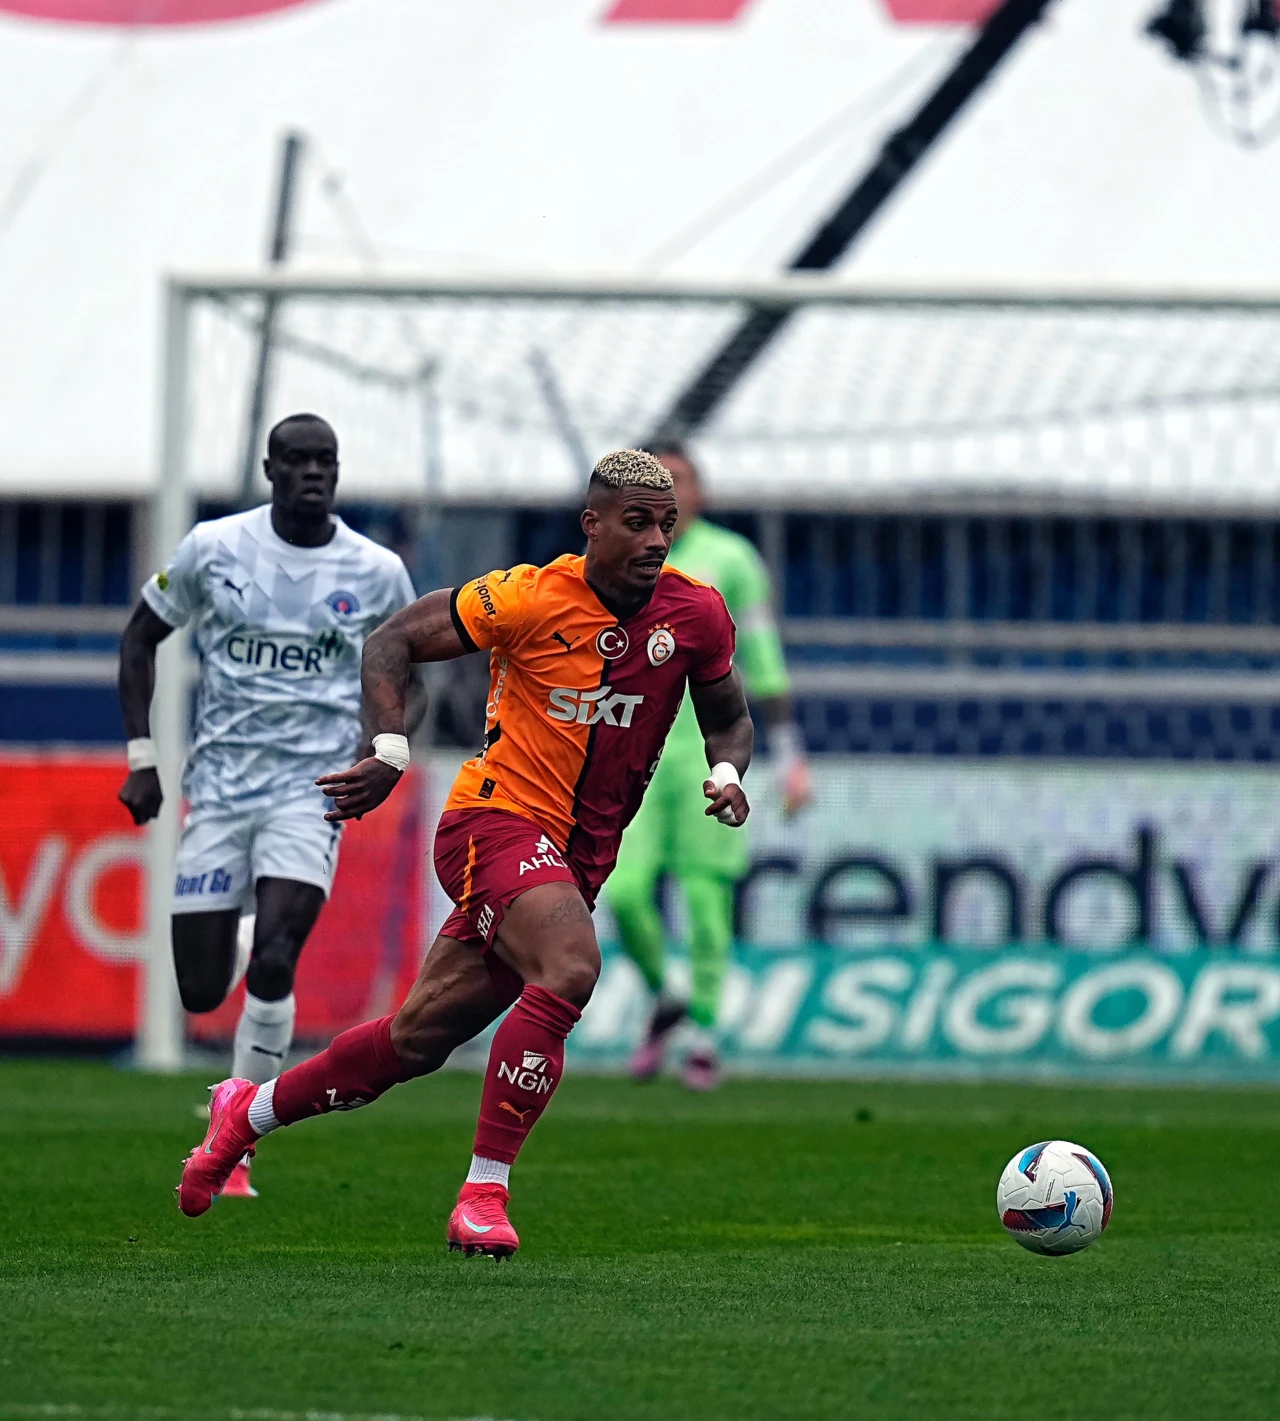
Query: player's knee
{"x": 573, "y": 976}
{"x": 204, "y": 947}
{"x": 200, "y": 990}
{"x": 271, "y": 969}
{"x": 269, "y": 981}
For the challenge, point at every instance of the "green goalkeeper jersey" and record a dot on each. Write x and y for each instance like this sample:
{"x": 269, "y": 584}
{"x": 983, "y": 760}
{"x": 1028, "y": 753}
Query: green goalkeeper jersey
{"x": 733, "y": 567}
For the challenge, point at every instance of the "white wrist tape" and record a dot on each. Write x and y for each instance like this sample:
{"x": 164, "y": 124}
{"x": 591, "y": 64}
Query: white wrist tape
{"x": 725, "y": 774}
{"x": 141, "y": 753}
{"x": 392, "y": 750}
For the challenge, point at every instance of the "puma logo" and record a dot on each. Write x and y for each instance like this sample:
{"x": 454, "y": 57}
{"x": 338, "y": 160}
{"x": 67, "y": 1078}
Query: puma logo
{"x": 239, "y": 591}
{"x": 511, "y": 1110}
{"x": 568, "y": 645}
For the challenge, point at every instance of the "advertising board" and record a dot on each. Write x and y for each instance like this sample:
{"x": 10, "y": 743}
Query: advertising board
{"x": 1023, "y": 1012}
{"x": 72, "y": 928}
{"x": 1008, "y": 918}
{"x": 1004, "y": 918}
{"x": 71, "y": 900}
{"x": 908, "y": 851}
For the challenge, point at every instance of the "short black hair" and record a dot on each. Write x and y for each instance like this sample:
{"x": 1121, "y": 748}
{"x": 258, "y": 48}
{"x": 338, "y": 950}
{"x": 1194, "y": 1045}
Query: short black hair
{"x": 275, "y": 438}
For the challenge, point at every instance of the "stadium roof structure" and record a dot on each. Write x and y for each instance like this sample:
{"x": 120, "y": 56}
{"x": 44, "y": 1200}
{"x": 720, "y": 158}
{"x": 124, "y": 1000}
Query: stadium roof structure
{"x": 457, "y": 138}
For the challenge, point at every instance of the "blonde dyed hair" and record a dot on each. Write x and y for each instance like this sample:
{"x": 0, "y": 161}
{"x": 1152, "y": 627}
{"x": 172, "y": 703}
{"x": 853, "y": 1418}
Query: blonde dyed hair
{"x": 631, "y": 468}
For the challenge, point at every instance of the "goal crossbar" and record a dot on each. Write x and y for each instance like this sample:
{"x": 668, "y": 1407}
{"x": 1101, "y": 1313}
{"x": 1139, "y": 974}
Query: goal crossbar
{"x": 782, "y": 291}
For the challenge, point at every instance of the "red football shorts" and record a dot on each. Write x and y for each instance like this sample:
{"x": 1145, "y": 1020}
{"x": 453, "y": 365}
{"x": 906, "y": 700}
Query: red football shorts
{"x": 485, "y": 859}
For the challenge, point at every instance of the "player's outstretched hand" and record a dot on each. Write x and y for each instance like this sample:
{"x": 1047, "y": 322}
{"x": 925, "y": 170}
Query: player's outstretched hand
{"x": 141, "y": 795}
{"x": 729, "y": 805}
{"x": 358, "y": 790}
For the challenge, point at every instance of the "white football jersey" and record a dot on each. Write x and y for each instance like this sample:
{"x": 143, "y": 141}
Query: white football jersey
{"x": 279, "y": 631}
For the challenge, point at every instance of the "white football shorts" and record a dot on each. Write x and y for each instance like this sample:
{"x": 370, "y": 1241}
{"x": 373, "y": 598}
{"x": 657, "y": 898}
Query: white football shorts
{"x": 223, "y": 852}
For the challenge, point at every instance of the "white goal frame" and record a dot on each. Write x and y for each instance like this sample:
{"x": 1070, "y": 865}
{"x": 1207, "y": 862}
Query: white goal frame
{"x": 160, "y": 1037}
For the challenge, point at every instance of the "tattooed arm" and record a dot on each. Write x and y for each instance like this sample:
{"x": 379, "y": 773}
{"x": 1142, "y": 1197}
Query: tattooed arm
{"x": 424, "y": 631}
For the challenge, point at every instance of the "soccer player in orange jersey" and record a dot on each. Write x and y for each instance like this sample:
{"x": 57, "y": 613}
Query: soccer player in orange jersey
{"x": 589, "y": 657}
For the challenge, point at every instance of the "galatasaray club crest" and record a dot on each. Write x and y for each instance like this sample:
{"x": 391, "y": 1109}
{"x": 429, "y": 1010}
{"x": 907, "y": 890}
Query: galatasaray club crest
{"x": 612, "y": 642}
{"x": 662, "y": 645}
{"x": 345, "y": 604}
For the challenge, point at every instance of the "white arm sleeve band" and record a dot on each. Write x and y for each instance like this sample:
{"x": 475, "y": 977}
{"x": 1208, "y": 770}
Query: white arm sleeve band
{"x": 724, "y": 774}
{"x": 392, "y": 750}
{"x": 141, "y": 753}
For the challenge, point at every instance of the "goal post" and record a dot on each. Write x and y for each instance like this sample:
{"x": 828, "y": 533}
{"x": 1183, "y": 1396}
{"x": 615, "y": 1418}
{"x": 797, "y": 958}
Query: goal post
{"x": 160, "y": 1036}
{"x": 501, "y": 390}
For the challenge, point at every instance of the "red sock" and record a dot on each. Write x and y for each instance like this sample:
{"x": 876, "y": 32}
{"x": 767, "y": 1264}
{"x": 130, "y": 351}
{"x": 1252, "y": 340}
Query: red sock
{"x": 358, "y": 1066}
{"x": 525, "y": 1064}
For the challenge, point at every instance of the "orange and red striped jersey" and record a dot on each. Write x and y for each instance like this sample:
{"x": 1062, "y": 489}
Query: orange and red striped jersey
{"x": 579, "y": 702}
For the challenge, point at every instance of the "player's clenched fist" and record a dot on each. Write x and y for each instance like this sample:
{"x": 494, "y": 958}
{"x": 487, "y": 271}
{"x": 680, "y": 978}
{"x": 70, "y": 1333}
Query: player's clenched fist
{"x": 361, "y": 788}
{"x": 729, "y": 805}
{"x": 141, "y": 795}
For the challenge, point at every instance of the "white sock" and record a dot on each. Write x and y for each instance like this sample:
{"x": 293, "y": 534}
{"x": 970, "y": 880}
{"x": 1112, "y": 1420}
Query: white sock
{"x": 263, "y": 1037}
{"x": 482, "y": 1171}
{"x": 262, "y": 1109}
{"x": 244, "y": 949}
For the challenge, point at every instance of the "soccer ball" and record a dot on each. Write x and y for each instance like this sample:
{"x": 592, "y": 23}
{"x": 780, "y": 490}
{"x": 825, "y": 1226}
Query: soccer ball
{"x": 1054, "y": 1197}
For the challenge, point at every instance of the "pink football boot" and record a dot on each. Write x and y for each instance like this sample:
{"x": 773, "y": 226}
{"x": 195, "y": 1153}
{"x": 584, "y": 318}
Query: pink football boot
{"x": 229, "y": 1140}
{"x": 479, "y": 1224}
{"x": 701, "y": 1071}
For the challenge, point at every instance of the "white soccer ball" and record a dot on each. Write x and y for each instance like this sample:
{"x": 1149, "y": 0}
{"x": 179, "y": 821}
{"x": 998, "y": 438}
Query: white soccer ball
{"x": 1054, "y": 1197}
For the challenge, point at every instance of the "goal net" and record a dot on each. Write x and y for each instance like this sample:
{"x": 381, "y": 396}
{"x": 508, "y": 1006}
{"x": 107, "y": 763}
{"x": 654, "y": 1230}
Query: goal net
{"x": 501, "y": 391}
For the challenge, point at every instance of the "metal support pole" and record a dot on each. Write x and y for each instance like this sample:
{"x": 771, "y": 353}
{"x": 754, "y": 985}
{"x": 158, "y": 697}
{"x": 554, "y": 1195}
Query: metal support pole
{"x": 427, "y": 569}
{"x": 277, "y": 253}
{"x": 561, "y": 416}
{"x": 899, "y": 156}
{"x": 159, "y": 1046}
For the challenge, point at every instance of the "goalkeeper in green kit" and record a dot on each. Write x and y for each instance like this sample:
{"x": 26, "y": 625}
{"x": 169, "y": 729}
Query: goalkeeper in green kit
{"x": 672, "y": 834}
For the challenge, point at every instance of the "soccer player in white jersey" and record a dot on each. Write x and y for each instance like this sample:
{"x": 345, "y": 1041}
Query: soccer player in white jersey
{"x": 281, "y": 599}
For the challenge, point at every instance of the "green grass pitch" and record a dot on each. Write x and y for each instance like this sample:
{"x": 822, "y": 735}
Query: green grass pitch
{"x": 780, "y": 1249}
